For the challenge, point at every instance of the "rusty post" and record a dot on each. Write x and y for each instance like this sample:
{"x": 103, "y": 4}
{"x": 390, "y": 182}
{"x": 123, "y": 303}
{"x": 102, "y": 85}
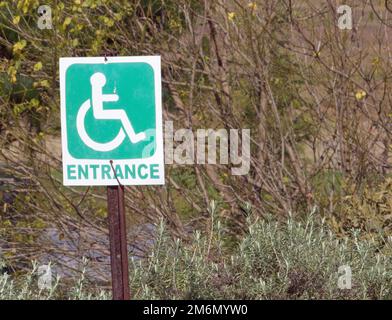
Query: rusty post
{"x": 118, "y": 243}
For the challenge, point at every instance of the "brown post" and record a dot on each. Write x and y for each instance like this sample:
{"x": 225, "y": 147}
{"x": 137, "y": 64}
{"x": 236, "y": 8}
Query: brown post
{"x": 118, "y": 243}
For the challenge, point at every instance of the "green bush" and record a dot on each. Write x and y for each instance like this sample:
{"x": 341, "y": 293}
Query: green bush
{"x": 274, "y": 260}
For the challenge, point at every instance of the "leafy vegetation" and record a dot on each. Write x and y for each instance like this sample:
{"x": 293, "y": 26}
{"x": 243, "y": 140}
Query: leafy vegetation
{"x": 287, "y": 260}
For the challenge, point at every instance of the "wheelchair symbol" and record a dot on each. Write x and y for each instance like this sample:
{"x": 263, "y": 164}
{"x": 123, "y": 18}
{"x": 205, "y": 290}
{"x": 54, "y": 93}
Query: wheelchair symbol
{"x": 98, "y": 81}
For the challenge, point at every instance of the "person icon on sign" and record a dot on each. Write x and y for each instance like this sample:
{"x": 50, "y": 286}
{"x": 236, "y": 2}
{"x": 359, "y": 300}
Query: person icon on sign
{"x": 98, "y": 81}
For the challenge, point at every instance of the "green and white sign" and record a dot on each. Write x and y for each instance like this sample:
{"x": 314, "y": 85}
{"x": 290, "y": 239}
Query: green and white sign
{"x": 111, "y": 121}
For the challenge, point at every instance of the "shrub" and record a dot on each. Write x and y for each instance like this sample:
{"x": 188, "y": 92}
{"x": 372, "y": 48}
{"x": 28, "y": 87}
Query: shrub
{"x": 368, "y": 209}
{"x": 274, "y": 260}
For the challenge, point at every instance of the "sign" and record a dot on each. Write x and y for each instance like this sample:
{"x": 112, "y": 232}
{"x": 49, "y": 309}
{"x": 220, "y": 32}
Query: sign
{"x": 111, "y": 121}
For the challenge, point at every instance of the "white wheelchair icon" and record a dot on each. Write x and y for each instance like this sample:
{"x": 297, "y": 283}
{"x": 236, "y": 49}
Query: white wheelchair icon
{"x": 98, "y": 81}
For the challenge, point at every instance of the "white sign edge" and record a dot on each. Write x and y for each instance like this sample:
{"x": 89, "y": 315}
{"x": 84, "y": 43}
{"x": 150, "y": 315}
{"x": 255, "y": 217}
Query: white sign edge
{"x": 155, "y": 63}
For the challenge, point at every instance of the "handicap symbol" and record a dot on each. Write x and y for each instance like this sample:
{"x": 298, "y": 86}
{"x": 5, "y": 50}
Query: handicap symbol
{"x": 98, "y": 81}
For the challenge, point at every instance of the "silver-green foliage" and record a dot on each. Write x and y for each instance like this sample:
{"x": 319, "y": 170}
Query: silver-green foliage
{"x": 274, "y": 260}
{"x": 291, "y": 260}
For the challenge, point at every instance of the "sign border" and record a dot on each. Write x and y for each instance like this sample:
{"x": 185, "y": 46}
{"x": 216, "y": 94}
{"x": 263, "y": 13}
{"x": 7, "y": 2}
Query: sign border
{"x": 157, "y": 158}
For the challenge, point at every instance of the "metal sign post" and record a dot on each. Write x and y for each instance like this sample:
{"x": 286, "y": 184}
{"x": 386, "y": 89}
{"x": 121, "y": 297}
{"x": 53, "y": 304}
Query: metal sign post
{"x": 118, "y": 243}
{"x": 112, "y": 135}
